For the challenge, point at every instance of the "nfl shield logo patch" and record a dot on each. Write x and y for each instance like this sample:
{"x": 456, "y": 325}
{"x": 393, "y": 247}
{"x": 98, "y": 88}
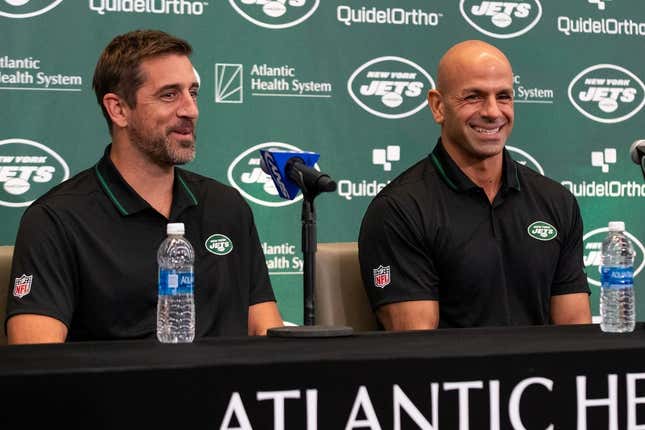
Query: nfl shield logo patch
{"x": 22, "y": 286}
{"x": 381, "y": 276}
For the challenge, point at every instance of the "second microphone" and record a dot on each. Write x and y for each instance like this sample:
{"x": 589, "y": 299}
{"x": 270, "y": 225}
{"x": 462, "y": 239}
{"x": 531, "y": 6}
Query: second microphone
{"x": 294, "y": 171}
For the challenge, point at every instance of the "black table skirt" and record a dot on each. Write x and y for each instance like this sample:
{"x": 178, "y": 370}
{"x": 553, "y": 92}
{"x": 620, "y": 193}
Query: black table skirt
{"x": 571, "y": 377}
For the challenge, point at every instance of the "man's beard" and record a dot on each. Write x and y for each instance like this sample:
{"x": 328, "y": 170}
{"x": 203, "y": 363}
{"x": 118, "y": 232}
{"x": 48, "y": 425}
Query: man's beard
{"x": 160, "y": 149}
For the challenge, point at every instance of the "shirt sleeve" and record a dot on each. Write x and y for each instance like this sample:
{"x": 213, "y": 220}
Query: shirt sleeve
{"x": 395, "y": 261}
{"x": 42, "y": 267}
{"x": 570, "y": 276}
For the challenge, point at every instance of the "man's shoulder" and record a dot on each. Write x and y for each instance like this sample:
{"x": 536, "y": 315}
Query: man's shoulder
{"x": 542, "y": 185}
{"x": 415, "y": 182}
{"x": 210, "y": 188}
{"x": 64, "y": 201}
{"x": 74, "y": 189}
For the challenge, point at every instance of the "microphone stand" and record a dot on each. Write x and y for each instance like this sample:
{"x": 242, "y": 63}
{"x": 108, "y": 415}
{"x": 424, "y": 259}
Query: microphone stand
{"x": 309, "y": 248}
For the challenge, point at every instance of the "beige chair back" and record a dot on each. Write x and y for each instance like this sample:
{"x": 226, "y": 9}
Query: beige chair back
{"x": 6, "y": 253}
{"x": 340, "y": 297}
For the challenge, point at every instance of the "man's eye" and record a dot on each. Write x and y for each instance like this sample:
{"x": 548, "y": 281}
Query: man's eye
{"x": 194, "y": 94}
{"x": 168, "y": 95}
{"x": 471, "y": 97}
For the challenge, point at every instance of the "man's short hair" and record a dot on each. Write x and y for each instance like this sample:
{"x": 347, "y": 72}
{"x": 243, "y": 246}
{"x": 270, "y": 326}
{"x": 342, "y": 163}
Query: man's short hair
{"x": 118, "y": 68}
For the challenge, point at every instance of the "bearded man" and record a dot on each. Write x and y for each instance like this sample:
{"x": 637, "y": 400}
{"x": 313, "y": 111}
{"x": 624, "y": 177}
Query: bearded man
{"x": 88, "y": 247}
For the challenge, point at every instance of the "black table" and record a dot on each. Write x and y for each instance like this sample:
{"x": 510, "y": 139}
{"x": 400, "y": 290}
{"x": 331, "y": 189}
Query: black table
{"x": 488, "y": 378}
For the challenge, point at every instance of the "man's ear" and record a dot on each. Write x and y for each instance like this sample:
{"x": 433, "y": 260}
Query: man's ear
{"x": 117, "y": 109}
{"x": 435, "y": 101}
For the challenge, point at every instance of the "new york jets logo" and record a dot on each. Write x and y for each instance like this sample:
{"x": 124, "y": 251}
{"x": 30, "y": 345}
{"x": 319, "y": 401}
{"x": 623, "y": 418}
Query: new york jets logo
{"x": 390, "y": 87}
{"x": 542, "y": 230}
{"x": 245, "y": 173}
{"x": 219, "y": 244}
{"x": 607, "y": 93}
{"x": 26, "y": 8}
{"x": 275, "y": 14}
{"x": 501, "y": 19}
{"x": 27, "y": 170}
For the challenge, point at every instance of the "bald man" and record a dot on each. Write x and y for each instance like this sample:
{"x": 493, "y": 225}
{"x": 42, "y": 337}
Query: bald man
{"x": 468, "y": 237}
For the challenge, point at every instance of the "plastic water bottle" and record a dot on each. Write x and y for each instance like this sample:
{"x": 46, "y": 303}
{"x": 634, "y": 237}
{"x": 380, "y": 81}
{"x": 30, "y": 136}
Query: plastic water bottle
{"x": 176, "y": 304}
{"x": 617, "y": 281}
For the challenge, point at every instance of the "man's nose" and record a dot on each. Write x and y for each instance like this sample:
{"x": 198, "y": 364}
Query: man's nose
{"x": 490, "y": 108}
{"x": 188, "y": 107}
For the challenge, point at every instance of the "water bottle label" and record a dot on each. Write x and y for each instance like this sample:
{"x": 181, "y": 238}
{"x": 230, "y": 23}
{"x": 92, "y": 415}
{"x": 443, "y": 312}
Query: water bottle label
{"x": 617, "y": 277}
{"x": 173, "y": 282}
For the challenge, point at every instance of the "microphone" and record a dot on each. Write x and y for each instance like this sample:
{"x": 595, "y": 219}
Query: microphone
{"x": 294, "y": 171}
{"x": 637, "y": 152}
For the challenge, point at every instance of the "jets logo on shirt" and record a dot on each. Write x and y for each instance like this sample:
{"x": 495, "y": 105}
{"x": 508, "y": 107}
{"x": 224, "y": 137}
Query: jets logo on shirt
{"x": 381, "y": 276}
{"x": 22, "y": 286}
{"x": 219, "y": 244}
{"x": 542, "y": 230}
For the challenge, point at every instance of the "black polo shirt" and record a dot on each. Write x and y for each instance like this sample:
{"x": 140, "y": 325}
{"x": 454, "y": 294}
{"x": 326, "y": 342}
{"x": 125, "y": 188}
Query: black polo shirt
{"x": 432, "y": 234}
{"x": 90, "y": 248}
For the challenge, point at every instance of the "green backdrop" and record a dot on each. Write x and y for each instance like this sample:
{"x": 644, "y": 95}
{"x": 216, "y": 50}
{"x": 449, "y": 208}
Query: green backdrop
{"x": 343, "y": 78}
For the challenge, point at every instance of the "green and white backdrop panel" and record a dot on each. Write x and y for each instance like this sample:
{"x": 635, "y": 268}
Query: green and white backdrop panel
{"x": 347, "y": 79}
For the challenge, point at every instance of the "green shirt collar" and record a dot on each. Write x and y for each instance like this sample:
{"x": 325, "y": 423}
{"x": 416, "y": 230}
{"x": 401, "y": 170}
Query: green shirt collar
{"x": 456, "y": 179}
{"x": 127, "y": 201}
